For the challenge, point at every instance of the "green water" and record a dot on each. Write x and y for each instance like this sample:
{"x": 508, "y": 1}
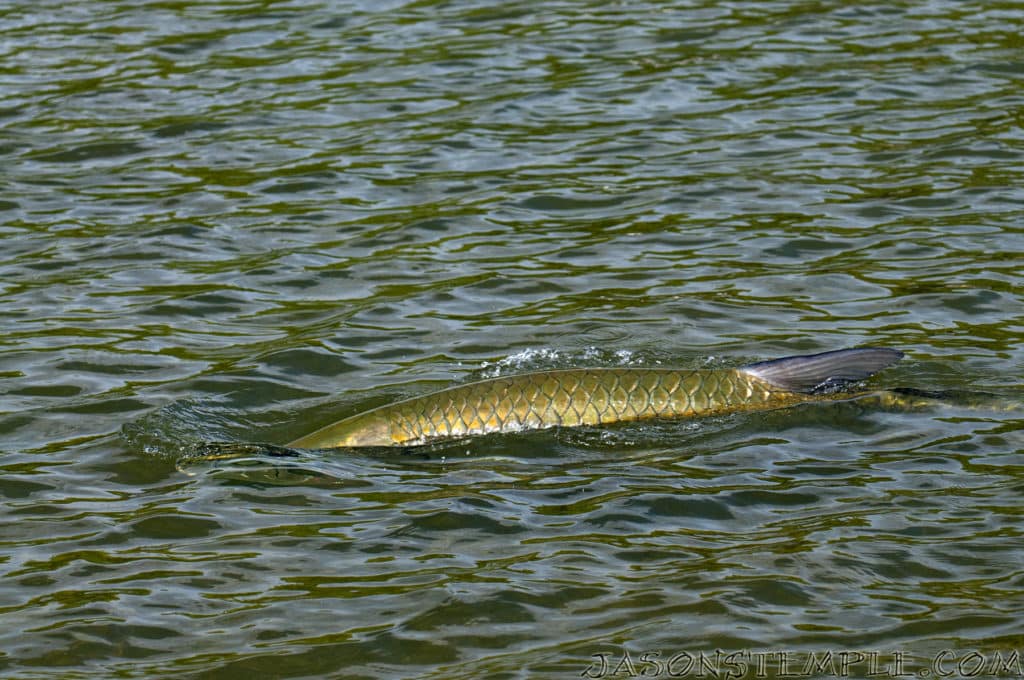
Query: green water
{"x": 239, "y": 221}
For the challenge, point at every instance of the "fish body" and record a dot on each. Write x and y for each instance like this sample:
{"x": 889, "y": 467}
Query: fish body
{"x": 598, "y": 396}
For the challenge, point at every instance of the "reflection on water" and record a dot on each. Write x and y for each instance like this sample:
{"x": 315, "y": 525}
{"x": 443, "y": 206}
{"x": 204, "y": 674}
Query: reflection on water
{"x": 238, "y": 222}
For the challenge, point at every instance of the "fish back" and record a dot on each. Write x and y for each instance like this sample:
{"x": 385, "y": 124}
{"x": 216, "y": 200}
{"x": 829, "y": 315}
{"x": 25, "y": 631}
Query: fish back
{"x": 577, "y": 397}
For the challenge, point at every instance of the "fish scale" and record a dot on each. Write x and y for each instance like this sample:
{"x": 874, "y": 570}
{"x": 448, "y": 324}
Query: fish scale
{"x": 596, "y": 396}
{"x": 568, "y": 398}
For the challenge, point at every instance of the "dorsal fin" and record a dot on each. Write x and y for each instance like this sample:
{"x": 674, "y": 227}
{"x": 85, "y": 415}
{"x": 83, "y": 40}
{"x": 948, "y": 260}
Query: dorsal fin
{"x": 825, "y": 372}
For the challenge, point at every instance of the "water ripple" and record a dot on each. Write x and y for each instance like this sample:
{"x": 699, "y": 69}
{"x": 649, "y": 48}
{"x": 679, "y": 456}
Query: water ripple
{"x": 237, "y": 221}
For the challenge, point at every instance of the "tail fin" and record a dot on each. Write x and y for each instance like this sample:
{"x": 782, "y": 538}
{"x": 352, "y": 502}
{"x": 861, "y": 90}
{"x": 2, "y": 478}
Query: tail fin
{"x": 825, "y": 372}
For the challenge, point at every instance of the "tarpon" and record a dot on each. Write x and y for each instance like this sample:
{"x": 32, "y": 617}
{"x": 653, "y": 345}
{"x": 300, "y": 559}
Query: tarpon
{"x": 600, "y": 396}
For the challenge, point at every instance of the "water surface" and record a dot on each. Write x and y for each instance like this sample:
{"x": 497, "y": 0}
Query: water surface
{"x": 239, "y": 221}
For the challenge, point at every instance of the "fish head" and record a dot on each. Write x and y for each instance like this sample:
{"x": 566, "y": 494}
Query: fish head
{"x": 367, "y": 429}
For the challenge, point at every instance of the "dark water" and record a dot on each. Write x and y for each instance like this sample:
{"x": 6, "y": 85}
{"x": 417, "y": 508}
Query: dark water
{"x": 240, "y": 221}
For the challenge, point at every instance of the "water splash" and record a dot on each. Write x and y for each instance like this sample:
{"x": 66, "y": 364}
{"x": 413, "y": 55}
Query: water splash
{"x": 547, "y": 358}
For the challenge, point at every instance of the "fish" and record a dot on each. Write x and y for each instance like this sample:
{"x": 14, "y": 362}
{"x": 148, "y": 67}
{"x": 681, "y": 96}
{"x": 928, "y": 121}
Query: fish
{"x": 577, "y": 397}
